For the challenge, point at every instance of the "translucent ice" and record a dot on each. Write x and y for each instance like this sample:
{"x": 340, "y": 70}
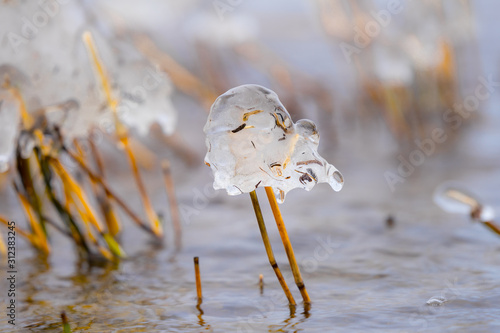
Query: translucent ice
{"x": 145, "y": 93}
{"x": 9, "y": 127}
{"x": 56, "y": 69}
{"x": 436, "y": 301}
{"x": 252, "y": 142}
{"x": 454, "y": 198}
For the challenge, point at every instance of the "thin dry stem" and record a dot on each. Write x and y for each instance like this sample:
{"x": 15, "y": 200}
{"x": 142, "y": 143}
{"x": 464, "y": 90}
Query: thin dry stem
{"x": 287, "y": 244}
{"x": 3, "y": 247}
{"x": 104, "y": 199}
{"x": 148, "y": 207}
{"x": 174, "y": 207}
{"x": 109, "y": 192}
{"x": 493, "y": 227}
{"x": 269, "y": 249}
{"x": 19, "y": 230}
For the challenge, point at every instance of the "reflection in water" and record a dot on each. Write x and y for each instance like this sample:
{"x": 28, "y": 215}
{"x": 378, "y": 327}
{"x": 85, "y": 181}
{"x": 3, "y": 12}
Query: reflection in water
{"x": 36, "y": 267}
{"x": 290, "y": 324}
{"x": 201, "y": 321}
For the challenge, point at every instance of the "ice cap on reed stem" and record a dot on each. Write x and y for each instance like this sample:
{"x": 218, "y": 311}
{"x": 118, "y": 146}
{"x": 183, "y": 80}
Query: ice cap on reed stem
{"x": 252, "y": 141}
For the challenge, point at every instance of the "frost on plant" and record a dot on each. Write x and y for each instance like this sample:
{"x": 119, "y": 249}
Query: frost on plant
{"x": 252, "y": 142}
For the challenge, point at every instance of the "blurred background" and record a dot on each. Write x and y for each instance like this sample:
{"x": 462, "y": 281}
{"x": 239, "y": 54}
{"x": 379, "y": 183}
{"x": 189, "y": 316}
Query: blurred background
{"x": 405, "y": 97}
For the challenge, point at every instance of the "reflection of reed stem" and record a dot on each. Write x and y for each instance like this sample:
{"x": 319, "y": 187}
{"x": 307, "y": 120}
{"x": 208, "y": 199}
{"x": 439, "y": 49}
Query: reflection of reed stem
{"x": 261, "y": 283}
{"x": 66, "y": 327}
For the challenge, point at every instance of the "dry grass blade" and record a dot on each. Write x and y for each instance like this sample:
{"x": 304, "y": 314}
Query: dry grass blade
{"x": 38, "y": 237}
{"x": 148, "y": 207}
{"x": 19, "y": 230}
{"x": 103, "y": 198}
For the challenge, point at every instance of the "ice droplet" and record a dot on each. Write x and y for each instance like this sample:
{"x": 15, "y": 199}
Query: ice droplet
{"x": 253, "y": 142}
{"x": 487, "y": 214}
{"x": 436, "y": 301}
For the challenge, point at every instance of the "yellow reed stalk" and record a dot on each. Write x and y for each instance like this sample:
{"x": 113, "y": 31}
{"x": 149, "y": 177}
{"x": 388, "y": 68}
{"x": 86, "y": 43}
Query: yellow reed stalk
{"x": 462, "y": 197}
{"x": 269, "y": 249}
{"x": 198, "y": 279}
{"x": 121, "y": 131}
{"x": 287, "y": 244}
{"x": 108, "y": 190}
{"x": 96, "y": 61}
{"x": 148, "y": 207}
{"x": 86, "y": 211}
{"x": 18, "y": 229}
{"x": 75, "y": 190}
{"x": 26, "y": 118}
{"x": 81, "y": 211}
{"x": 3, "y": 247}
{"x": 447, "y": 65}
{"x": 39, "y": 240}
{"x": 107, "y": 210}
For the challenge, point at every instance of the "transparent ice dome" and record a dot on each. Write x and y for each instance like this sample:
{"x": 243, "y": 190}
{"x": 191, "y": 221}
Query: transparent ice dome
{"x": 253, "y": 142}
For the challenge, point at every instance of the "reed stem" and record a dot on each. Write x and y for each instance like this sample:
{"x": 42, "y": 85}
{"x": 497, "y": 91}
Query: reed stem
{"x": 269, "y": 249}
{"x": 287, "y": 244}
{"x": 198, "y": 280}
{"x": 492, "y": 226}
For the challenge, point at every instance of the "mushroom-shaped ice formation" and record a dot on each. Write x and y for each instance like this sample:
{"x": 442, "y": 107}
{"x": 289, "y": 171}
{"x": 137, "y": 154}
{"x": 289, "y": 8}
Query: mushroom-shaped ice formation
{"x": 252, "y": 142}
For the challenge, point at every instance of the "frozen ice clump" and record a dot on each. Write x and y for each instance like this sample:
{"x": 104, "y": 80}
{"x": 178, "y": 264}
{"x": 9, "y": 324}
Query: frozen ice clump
{"x": 9, "y": 127}
{"x": 145, "y": 98}
{"x": 252, "y": 142}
